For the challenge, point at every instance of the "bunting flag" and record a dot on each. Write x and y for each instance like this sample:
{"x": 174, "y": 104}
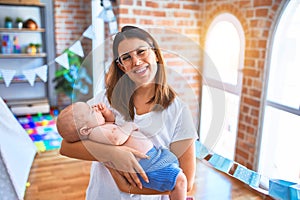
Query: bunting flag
{"x": 89, "y": 33}
{"x": 107, "y": 4}
{"x": 113, "y": 27}
{"x": 220, "y": 163}
{"x": 77, "y": 48}
{"x": 63, "y": 60}
{"x": 107, "y": 13}
{"x": 8, "y": 75}
{"x": 279, "y": 189}
{"x": 42, "y": 72}
{"x": 30, "y": 75}
{"x": 247, "y": 176}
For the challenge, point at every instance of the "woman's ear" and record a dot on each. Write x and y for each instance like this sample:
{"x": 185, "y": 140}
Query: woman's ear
{"x": 124, "y": 69}
{"x": 85, "y": 130}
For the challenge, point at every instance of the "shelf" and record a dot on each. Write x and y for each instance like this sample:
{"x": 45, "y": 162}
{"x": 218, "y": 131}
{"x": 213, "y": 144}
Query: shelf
{"x": 38, "y": 4}
{"x": 14, "y": 80}
{"x": 42, "y": 13}
{"x": 17, "y": 30}
{"x": 23, "y": 55}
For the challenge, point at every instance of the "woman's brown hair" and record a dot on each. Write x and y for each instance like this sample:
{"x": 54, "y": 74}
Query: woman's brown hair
{"x": 120, "y": 88}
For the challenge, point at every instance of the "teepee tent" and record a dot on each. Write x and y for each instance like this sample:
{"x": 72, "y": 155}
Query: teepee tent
{"x": 17, "y": 152}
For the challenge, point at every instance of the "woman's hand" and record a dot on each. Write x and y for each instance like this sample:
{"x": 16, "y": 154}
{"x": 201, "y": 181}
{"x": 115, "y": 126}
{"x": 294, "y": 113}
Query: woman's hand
{"x": 124, "y": 161}
{"x": 121, "y": 158}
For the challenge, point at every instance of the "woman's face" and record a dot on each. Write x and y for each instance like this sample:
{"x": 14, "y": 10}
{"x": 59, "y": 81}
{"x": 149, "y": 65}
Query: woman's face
{"x": 138, "y": 60}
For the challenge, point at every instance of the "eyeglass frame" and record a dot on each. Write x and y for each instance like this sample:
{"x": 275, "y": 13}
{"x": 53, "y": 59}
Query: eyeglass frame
{"x": 135, "y": 50}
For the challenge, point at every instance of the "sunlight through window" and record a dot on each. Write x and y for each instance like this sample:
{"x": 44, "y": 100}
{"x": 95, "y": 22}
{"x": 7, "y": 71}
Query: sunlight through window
{"x": 224, "y": 48}
{"x": 279, "y": 151}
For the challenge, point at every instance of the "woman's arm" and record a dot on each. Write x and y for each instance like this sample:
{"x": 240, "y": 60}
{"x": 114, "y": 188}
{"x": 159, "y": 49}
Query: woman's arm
{"x": 122, "y": 157}
{"x": 185, "y": 152}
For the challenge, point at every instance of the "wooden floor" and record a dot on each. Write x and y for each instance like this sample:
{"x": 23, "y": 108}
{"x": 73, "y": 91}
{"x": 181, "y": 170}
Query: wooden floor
{"x": 53, "y": 176}
{"x": 56, "y": 177}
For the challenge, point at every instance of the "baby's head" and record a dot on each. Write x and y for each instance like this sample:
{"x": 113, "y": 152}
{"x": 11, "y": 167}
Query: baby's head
{"x": 77, "y": 120}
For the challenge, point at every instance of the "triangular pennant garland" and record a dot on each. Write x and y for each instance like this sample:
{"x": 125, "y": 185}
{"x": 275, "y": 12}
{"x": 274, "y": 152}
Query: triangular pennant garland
{"x": 8, "y": 75}
{"x": 107, "y": 4}
{"x": 30, "y": 75}
{"x": 107, "y": 13}
{"x": 63, "y": 60}
{"x": 113, "y": 27}
{"x": 42, "y": 72}
{"x": 89, "y": 33}
{"x": 102, "y": 14}
{"x": 77, "y": 48}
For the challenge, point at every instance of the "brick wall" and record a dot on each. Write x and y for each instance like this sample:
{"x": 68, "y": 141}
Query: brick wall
{"x": 180, "y": 26}
{"x": 71, "y": 19}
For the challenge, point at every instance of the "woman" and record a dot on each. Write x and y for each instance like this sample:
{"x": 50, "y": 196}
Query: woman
{"x": 137, "y": 90}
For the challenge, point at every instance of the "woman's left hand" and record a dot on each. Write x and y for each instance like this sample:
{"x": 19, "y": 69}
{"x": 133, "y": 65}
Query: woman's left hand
{"x": 131, "y": 179}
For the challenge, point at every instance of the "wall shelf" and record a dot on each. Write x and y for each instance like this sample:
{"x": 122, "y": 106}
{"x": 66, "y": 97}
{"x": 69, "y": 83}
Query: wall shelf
{"x": 38, "y": 4}
{"x": 23, "y": 55}
{"x": 42, "y": 14}
{"x": 23, "y": 30}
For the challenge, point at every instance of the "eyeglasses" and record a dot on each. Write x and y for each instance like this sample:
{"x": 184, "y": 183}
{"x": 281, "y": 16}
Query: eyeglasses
{"x": 140, "y": 53}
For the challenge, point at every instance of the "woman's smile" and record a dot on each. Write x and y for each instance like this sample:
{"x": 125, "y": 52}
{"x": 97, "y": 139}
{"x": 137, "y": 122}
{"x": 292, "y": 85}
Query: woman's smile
{"x": 141, "y": 70}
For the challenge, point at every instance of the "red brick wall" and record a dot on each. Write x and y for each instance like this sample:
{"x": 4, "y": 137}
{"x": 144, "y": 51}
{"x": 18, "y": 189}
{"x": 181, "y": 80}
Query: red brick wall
{"x": 189, "y": 21}
{"x": 71, "y": 19}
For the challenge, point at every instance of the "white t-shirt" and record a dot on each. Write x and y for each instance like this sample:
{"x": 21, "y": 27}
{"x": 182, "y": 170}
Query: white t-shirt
{"x": 162, "y": 128}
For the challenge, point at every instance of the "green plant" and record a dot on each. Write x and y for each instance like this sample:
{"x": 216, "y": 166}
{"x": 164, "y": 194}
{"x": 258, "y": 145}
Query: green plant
{"x": 8, "y": 19}
{"x": 38, "y": 45}
{"x": 19, "y": 19}
{"x": 72, "y": 80}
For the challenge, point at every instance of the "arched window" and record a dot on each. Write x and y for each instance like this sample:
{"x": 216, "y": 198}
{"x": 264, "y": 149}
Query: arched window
{"x": 280, "y": 135}
{"x": 224, "y": 48}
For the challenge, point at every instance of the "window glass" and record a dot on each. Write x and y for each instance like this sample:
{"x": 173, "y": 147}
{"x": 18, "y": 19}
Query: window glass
{"x": 284, "y": 74}
{"x": 279, "y": 157}
{"x": 223, "y": 48}
{"x": 221, "y": 89}
{"x": 279, "y": 150}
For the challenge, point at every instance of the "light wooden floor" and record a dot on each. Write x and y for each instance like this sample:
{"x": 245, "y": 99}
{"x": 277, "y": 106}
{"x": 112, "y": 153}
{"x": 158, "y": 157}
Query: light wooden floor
{"x": 53, "y": 176}
{"x": 56, "y": 177}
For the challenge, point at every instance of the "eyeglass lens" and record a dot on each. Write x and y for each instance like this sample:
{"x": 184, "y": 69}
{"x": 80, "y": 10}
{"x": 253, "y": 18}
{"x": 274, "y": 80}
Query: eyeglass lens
{"x": 140, "y": 53}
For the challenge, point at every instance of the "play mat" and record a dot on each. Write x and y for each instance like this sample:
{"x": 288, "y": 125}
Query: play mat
{"x": 42, "y": 130}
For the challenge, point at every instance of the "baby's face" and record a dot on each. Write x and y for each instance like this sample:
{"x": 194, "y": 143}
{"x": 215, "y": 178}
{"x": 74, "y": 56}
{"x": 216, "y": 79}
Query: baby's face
{"x": 91, "y": 117}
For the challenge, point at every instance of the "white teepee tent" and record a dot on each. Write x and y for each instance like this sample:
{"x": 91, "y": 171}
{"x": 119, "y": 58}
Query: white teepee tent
{"x": 17, "y": 152}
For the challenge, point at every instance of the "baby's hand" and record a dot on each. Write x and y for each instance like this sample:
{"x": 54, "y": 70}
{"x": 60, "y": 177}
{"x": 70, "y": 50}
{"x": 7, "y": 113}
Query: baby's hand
{"x": 100, "y": 107}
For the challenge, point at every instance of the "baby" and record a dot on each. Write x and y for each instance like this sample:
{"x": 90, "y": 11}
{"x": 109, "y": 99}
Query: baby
{"x": 80, "y": 121}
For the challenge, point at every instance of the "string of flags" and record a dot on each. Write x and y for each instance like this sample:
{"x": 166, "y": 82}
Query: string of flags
{"x": 278, "y": 189}
{"x": 30, "y": 75}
